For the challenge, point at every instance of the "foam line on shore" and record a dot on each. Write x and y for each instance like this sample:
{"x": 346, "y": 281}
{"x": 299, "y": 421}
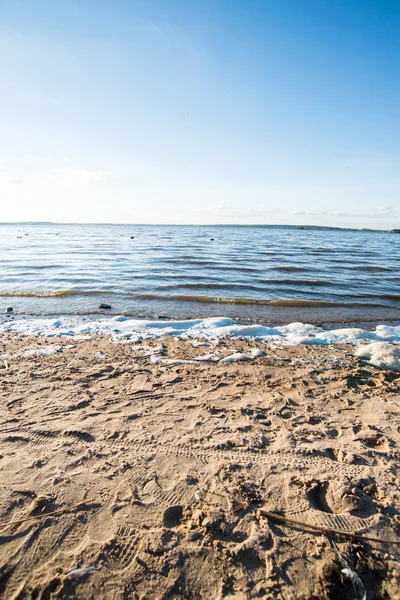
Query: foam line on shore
{"x": 123, "y": 328}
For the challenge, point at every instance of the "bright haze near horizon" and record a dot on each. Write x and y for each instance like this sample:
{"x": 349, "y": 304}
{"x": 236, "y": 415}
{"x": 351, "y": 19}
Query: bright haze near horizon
{"x": 203, "y": 111}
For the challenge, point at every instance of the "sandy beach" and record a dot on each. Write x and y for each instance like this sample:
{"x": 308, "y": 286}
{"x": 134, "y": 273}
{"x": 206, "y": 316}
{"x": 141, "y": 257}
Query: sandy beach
{"x": 143, "y": 472}
{"x": 199, "y": 300}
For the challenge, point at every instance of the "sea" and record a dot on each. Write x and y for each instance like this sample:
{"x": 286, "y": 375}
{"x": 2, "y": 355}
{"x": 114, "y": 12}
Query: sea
{"x": 264, "y": 274}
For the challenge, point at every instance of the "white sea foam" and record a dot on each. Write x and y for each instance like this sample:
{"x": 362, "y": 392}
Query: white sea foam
{"x": 257, "y": 353}
{"x": 236, "y": 357}
{"x": 381, "y": 354}
{"x": 211, "y": 357}
{"x": 122, "y": 328}
{"x": 47, "y": 351}
{"x": 382, "y": 348}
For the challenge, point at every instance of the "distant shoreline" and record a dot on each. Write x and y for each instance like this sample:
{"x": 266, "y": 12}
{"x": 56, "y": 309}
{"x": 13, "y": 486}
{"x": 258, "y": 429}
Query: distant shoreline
{"x": 222, "y": 225}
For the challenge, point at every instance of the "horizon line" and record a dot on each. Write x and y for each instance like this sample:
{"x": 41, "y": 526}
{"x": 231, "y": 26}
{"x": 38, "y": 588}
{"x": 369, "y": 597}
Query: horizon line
{"x": 294, "y": 226}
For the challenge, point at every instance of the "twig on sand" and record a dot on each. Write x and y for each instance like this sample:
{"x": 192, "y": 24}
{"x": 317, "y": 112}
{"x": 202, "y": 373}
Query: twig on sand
{"x": 326, "y": 530}
{"x": 45, "y": 515}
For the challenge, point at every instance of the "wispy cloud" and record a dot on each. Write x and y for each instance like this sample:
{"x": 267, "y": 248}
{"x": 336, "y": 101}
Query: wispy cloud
{"x": 377, "y": 213}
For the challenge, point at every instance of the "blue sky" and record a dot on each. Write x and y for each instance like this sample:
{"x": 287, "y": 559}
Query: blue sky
{"x": 200, "y": 111}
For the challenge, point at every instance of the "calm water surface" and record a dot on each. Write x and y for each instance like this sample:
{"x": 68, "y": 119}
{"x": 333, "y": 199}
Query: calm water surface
{"x": 261, "y": 273}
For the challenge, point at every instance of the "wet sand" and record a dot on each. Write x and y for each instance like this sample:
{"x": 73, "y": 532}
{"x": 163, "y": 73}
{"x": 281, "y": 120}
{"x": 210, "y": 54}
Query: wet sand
{"x": 160, "y": 472}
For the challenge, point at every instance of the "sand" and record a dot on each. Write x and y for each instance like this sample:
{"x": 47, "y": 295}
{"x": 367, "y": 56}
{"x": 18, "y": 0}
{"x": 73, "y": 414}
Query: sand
{"x": 174, "y": 465}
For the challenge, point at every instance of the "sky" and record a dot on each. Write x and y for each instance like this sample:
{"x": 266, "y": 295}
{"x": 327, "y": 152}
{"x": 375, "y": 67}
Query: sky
{"x": 200, "y": 111}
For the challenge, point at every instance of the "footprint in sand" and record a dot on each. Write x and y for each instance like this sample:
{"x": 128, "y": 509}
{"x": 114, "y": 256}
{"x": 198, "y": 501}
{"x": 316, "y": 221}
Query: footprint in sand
{"x": 79, "y": 434}
{"x": 373, "y": 439}
{"x": 338, "y": 497}
{"x": 120, "y": 551}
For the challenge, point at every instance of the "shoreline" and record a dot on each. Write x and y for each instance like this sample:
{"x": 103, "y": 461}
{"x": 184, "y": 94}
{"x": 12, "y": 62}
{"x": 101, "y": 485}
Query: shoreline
{"x": 380, "y": 345}
{"x": 145, "y": 309}
{"x": 176, "y": 460}
{"x": 326, "y": 323}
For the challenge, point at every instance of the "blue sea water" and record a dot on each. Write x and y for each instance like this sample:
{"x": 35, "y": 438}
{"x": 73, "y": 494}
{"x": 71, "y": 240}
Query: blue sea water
{"x": 263, "y": 273}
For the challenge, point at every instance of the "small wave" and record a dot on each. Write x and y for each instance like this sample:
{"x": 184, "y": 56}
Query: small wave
{"x": 289, "y": 268}
{"x": 254, "y": 301}
{"x": 52, "y": 294}
{"x": 211, "y": 300}
{"x": 188, "y": 262}
{"x": 243, "y": 286}
{"x": 204, "y": 299}
{"x": 211, "y": 286}
{"x": 199, "y": 285}
{"x": 370, "y": 268}
{"x": 312, "y": 282}
{"x": 201, "y": 299}
{"x": 310, "y": 303}
{"x": 236, "y": 269}
{"x": 323, "y": 251}
{"x": 213, "y": 266}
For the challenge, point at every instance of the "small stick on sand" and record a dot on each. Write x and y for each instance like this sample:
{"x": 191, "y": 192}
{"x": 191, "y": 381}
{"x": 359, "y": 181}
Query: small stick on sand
{"x": 326, "y": 530}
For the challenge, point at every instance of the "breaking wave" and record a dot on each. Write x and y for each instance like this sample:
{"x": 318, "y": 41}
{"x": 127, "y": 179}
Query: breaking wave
{"x": 51, "y": 294}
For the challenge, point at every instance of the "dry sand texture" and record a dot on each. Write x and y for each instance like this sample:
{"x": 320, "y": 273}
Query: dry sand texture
{"x": 176, "y": 464}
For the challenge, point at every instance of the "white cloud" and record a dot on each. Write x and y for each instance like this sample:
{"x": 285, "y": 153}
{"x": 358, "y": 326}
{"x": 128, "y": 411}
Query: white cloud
{"x": 375, "y": 213}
